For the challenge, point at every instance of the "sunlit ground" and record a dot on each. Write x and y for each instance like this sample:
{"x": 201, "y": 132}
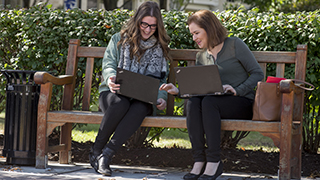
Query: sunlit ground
{"x": 178, "y": 138}
{"x": 2, "y": 123}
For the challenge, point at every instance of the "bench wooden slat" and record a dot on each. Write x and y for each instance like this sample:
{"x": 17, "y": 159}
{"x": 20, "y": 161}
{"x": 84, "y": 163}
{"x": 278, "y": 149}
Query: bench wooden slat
{"x": 172, "y": 79}
{"x": 275, "y": 57}
{"x": 190, "y": 54}
{"x": 162, "y": 121}
{"x": 264, "y": 69}
{"x": 56, "y": 148}
{"x": 183, "y": 55}
{"x": 280, "y": 70}
{"x": 67, "y": 100}
{"x": 261, "y": 56}
{"x": 87, "y": 85}
{"x": 91, "y": 52}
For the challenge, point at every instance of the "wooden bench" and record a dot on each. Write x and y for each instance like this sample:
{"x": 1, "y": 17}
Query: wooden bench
{"x": 286, "y": 134}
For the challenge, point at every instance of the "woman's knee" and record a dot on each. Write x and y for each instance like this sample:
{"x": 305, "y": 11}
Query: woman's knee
{"x": 114, "y": 101}
{"x": 210, "y": 101}
{"x": 142, "y": 107}
{"x": 194, "y": 103}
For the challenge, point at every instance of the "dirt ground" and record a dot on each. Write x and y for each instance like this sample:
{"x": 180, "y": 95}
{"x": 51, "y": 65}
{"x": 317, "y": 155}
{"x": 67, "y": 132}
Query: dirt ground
{"x": 234, "y": 159}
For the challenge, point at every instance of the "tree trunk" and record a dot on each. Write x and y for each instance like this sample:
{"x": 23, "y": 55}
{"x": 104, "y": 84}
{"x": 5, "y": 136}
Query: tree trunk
{"x": 2, "y": 101}
{"x": 12, "y": 3}
{"x": 26, "y": 4}
{"x": 229, "y": 142}
{"x": 110, "y": 4}
{"x": 138, "y": 139}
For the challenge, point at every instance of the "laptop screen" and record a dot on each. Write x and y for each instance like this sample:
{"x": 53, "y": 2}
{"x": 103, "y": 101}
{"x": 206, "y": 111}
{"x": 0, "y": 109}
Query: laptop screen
{"x": 137, "y": 86}
{"x": 199, "y": 80}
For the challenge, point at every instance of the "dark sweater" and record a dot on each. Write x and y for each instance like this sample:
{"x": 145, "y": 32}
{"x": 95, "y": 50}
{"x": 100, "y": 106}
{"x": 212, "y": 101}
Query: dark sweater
{"x": 237, "y": 66}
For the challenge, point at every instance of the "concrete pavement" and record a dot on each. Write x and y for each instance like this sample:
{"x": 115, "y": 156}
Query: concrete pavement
{"x": 84, "y": 171}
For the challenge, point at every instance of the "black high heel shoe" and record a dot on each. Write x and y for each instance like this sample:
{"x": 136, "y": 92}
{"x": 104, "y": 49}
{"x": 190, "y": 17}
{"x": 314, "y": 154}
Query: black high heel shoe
{"x": 191, "y": 176}
{"x": 215, "y": 176}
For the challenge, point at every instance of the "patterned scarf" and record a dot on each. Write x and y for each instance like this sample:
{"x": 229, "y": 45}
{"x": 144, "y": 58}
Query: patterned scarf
{"x": 152, "y": 63}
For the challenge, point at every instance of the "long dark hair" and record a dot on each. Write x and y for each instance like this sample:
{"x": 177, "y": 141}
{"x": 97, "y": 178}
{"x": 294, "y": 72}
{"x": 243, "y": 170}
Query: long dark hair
{"x": 130, "y": 33}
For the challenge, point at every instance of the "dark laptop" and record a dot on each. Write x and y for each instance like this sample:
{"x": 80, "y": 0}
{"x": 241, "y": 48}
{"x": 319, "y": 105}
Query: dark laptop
{"x": 137, "y": 86}
{"x": 199, "y": 81}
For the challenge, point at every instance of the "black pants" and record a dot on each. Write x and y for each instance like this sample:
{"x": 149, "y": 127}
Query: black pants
{"x": 122, "y": 117}
{"x": 204, "y": 116}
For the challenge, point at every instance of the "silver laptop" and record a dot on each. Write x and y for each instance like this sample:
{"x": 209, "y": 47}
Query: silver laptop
{"x": 199, "y": 81}
{"x": 137, "y": 86}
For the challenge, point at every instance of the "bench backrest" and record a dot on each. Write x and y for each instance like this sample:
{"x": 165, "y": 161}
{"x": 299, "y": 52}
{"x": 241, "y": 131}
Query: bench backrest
{"x": 281, "y": 58}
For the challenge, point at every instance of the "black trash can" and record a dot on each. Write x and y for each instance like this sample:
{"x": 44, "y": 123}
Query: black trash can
{"x": 20, "y": 117}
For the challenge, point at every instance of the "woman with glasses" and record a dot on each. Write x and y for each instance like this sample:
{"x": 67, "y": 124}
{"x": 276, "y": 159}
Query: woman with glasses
{"x": 140, "y": 47}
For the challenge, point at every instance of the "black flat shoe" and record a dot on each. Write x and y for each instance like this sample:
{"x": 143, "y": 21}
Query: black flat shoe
{"x": 93, "y": 155}
{"x": 103, "y": 166}
{"x": 191, "y": 176}
{"x": 215, "y": 176}
{"x": 104, "y": 161}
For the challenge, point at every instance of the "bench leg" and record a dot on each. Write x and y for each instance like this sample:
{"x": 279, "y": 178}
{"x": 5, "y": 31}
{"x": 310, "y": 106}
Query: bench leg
{"x": 42, "y": 140}
{"x": 41, "y": 146}
{"x": 286, "y": 136}
{"x": 41, "y": 157}
{"x": 65, "y": 138}
{"x": 296, "y": 154}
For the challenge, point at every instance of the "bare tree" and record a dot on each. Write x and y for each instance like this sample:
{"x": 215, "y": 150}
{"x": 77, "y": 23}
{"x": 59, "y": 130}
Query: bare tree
{"x": 35, "y": 2}
{"x": 110, "y": 4}
{"x": 179, "y": 5}
{"x": 26, "y": 4}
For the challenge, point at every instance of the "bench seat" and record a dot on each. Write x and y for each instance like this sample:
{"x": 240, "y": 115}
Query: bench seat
{"x": 162, "y": 121}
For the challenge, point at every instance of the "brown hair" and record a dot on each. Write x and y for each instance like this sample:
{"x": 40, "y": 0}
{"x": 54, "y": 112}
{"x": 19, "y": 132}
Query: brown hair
{"x": 216, "y": 32}
{"x": 130, "y": 33}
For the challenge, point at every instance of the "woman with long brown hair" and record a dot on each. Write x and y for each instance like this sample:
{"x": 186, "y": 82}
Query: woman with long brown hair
{"x": 140, "y": 47}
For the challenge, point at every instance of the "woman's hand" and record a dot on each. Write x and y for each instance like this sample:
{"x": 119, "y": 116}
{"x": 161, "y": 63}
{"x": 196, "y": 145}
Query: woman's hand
{"x": 227, "y": 88}
{"x": 170, "y": 88}
{"x": 112, "y": 85}
{"x": 161, "y": 104}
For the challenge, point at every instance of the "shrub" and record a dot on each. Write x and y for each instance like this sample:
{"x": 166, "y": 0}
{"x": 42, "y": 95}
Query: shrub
{"x": 37, "y": 39}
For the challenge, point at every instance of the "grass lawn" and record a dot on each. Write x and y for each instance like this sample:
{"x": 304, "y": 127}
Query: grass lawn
{"x": 2, "y": 123}
{"x": 178, "y": 138}
{"x": 85, "y": 133}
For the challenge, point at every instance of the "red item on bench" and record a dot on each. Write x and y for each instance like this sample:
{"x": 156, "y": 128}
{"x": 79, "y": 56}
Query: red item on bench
{"x": 271, "y": 79}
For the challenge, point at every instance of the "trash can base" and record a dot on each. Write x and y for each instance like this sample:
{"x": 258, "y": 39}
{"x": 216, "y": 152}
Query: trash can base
{"x": 19, "y": 157}
{"x": 21, "y": 161}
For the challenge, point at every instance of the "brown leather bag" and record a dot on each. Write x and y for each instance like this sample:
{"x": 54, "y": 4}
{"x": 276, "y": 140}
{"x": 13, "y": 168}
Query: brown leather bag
{"x": 267, "y": 103}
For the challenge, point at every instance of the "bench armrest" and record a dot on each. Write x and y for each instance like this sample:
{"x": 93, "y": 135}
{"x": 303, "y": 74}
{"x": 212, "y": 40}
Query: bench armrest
{"x": 286, "y": 86}
{"x": 44, "y": 77}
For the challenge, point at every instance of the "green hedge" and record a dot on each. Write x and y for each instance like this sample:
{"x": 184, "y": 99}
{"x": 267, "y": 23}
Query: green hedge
{"x": 37, "y": 39}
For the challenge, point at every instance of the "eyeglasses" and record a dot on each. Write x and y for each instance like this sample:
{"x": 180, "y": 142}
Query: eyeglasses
{"x": 146, "y": 25}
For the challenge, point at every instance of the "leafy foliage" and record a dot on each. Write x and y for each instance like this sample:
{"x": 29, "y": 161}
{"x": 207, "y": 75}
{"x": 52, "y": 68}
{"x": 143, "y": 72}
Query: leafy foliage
{"x": 37, "y": 39}
{"x": 287, "y": 6}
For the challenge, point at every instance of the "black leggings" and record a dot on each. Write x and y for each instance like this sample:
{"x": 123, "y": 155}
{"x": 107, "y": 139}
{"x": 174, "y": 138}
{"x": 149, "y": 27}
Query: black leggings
{"x": 122, "y": 117}
{"x": 204, "y": 116}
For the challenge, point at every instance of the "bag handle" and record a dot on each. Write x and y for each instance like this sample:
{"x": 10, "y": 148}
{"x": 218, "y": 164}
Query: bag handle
{"x": 304, "y": 82}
